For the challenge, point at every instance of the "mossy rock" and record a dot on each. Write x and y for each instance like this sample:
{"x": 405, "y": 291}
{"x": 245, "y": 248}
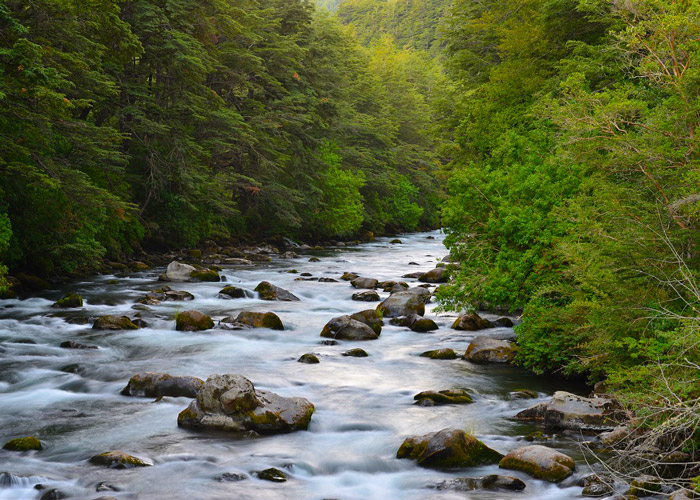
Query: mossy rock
{"x": 448, "y": 448}
{"x": 349, "y": 276}
{"x": 137, "y": 265}
{"x": 205, "y": 275}
{"x": 445, "y": 353}
{"x": 268, "y": 291}
{"x": 356, "y": 353}
{"x": 371, "y": 318}
{"x": 540, "y": 462}
{"x": 445, "y": 397}
{"x": 272, "y": 474}
{"x": 314, "y": 259}
{"x": 644, "y": 486}
{"x": 119, "y": 460}
{"x": 114, "y": 323}
{"x": 69, "y": 300}
{"x": 193, "y": 321}
{"x": 537, "y": 436}
{"x": 309, "y": 359}
{"x": 28, "y": 443}
{"x": 260, "y": 320}
{"x": 396, "y": 241}
{"x": 524, "y": 394}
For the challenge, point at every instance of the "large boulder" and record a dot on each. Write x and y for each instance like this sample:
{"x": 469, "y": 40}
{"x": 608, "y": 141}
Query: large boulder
{"x": 371, "y": 318}
{"x": 231, "y": 403}
{"x": 416, "y": 323}
{"x": 177, "y": 272}
{"x": 165, "y": 294}
{"x": 250, "y": 319}
{"x": 446, "y": 449}
{"x": 29, "y": 443}
{"x": 403, "y": 304}
{"x": 488, "y": 350}
{"x": 490, "y": 482}
{"x": 346, "y": 328}
{"x": 471, "y": 322}
{"x": 569, "y": 411}
{"x": 436, "y": 275}
{"x": 119, "y": 460}
{"x": 268, "y": 291}
{"x": 114, "y": 323}
{"x": 232, "y": 292}
{"x": 540, "y": 462}
{"x": 155, "y": 385}
{"x": 193, "y": 321}
{"x": 445, "y": 397}
{"x": 364, "y": 283}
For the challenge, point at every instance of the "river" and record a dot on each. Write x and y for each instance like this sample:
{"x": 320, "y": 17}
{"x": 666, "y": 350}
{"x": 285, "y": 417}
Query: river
{"x": 70, "y": 398}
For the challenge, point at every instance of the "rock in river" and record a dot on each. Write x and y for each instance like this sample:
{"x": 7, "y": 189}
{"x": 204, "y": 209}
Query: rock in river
{"x": 28, "y": 443}
{"x": 471, "y": 322}
{"x": 346, "y": 328}
{"x": 364, "y": 283}
{"x": 119, "y": 460}
{"x": 155, "y": 385}
{"x": 490, "y": 482}
{"x": 309, "y": 359}
{"x": 250, "y": 319}
{"x": 445, "y": 397}
{"x": 232, "y": 292}
{"x": 69, "y": 301}
{"x": 436, "y": 275}
{"x": 488, "y": 350}
{"x": 368, "y": 296}
{"x": 404, "y": 304}
{"x": 540, "y": 462}
{"x": 416, "y": 323}
{"x": 445, "y": 353}
{"x": 446, "y": 449}
{"x": 371, "y": 318}
{"x": 231, "y": 403}
{"x": 114, "y": 323}
{"x": 356, "y": 353}
{"x": 268, "y": 291}
{"x": 193, "y": 321}
{"x": 569, "y": 411}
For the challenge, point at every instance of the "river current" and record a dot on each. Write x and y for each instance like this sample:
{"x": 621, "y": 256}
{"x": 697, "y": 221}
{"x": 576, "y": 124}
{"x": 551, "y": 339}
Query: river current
{"x": 71, "y": 400}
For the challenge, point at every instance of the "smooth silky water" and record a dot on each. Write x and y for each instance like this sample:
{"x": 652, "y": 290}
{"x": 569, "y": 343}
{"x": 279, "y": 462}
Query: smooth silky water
{"x": 364, "y": 406}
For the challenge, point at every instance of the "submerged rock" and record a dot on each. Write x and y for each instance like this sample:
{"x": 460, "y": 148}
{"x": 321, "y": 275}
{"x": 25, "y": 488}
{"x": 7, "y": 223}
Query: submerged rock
{"x": 268, "y": 291}
{"x": 403, "y": 303}
{"x": 369, "y": 296}
{"x": 309, "y": 359}
{"x": 347, "y": 328}
{"x": 69, "y": 301}
{"x": 447, "y": 448}
{"x": 445, "y": 353}
{"x": 29, "y": 443}
{"x": 569, "y": 411}
{"x": 114, "y": 323}
{"x": 231, "y": 403}
{"x": 445, "y": 397}
{"x": 490, "y": 482}
{"x": 272, "y": 474}
{"x": 540, "y": 462}
{"x": 471, "y": 322}
{"x": 193, "y": 321}
{"x": 488, "y": 350}
{"x": 69, "y": 344}
{"x": 155, "y": 385}
{"x": 119, "y": 460}
{"x": 436, "y": 275}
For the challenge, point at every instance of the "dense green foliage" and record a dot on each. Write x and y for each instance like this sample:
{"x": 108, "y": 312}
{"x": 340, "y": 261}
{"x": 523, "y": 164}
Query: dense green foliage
{"x": 183, "y": 122}
{"x": 574, "y": 192}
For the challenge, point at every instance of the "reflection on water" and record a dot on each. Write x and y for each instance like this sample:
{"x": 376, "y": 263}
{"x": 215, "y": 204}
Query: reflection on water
{"x": 70, "y": 398}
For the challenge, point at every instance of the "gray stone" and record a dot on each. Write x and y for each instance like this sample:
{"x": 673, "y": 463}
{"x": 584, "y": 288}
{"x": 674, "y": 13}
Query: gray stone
{"x": 155, "y": 385}
{"x": 487, "y": 350}
{"x": 346, "y": 328}
{"x": 540, "y": 462}
{"x": 569, "y": 411}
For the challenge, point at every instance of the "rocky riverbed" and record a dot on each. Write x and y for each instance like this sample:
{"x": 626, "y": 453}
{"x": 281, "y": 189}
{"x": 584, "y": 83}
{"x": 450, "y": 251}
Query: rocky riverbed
{"x": 210, "y": 389}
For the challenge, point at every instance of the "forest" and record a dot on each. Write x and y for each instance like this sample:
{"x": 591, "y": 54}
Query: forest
{"x": 553, "y": 141}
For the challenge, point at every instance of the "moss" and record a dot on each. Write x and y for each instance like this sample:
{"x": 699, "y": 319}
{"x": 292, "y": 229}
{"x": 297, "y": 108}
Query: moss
{"x": 440, "y": 354}
{"x": 260, "y": 320}
{"x": 188, "y": 417}
{"x": 118, "y": 460}
{"x": 69, "y": 300}
{"x": 396, "y": 241}
{"x": 272, "y": 474}
{"x": 446, "y": 397}
{"x": 205, "y": 275}
{"x": 114, "y": 323}
{"x": 23, "y": 444}
{"x": 448, "y": 449}
{"x": 263, "y": 419}
{"x": 193, "y": 321}
{"x": 356, "y": 353}
{"x": 644, "y": 486}
{"x": 537, "y": 436}
{"x": 554, "y": 473}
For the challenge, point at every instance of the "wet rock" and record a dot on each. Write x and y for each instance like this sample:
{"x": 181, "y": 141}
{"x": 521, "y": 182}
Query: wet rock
{"x": 193, "y": 321}
{"x": 364, "y": 283}
{"x": 681, "y": 495}
{"x": 471, "y": 322}
{"x": 314, "y": 259}
{"x": 503, "y": 322}
{"x": 396, "y": 241}
{"x": 490, "y": 482}
{"x": 413, "y": 276}
{"x": 231, "y": 403}
{"x": 105, "y": 487}
{"x": 537, "y": 436}
{"x": 445, "y": 353}
{"x": 447, "y": 448}
{"x": 327, "y": 280}
{"x": 346, "y": 328}
{"x": 205, "y": 275}
{"x": 417, "y": 323}
{"x": 371, "y": 318}
{"x": 177, "y": 272}
{"x": 436, "y": 275}
{"x": 356, "y": 353}
{"x": 569, "y": 411}
{"x": 540, "y": 462}
{"x": 165, "y": 294}
{"x": 69, "y": 344}
{"x": 523, "y": 394}
{"x": 255, "y": 320}
{"x": 645, "y": 486}
{"x": 487, "y": 350}
{"x": 616, "y": 436}
{"x": 268, "y": 291}
{"x": 370, "y": 296}
{"x": 403, "y": 304}
{"x": 349, "y": 276}
{"x": 595, "y": 485}
{"x": 156, "y": 385}
{"x": 69, "y": 301}
{"x": 52, "y": 494}
{"x": 119, "y": 460}
{"x": 309, "y": 359}
{"x": 233, "y": 292}
{"x": 140, "y": 323}
{"x": 272, "y": 474}
{"x": 137, "y": 265}
{"x": 114, "y": 323}
{"x": 29, "y": 443}
{"x": 445, "y": 397}
{"x": 231, "y": 477}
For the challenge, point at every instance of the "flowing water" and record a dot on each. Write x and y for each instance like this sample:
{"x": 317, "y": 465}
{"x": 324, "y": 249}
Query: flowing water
{"x": 70, "y": 398}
